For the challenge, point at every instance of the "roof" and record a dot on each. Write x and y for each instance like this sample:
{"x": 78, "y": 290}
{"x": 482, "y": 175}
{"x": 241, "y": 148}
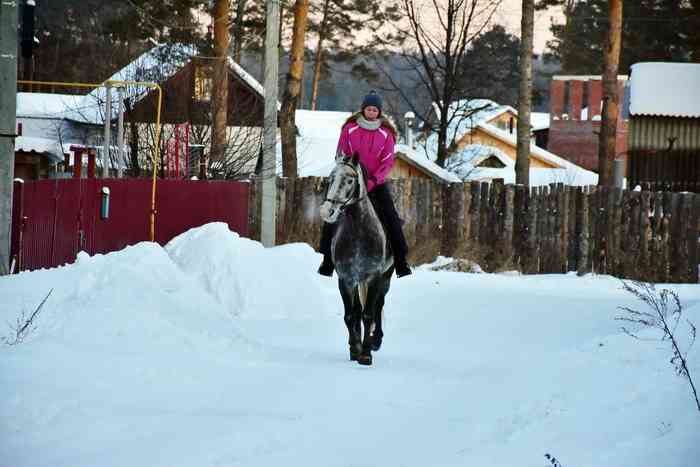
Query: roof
{"x": 46, "y": 146}
{"x": 467, "y": 114}
{"x": 57, "y": 106}
{"x": 665, "y": 89}
{"x": 157, "y": 65}
{"x": 436, "y": 172}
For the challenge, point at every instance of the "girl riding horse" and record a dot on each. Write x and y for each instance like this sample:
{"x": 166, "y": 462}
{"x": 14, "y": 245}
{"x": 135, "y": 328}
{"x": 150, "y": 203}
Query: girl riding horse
{"x": 371, "y": 136}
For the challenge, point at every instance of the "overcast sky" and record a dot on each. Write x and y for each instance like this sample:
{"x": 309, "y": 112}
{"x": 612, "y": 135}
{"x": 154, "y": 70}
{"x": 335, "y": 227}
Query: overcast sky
{"x": 509, "y": 15}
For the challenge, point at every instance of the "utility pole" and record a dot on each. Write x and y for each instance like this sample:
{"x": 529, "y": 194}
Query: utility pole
{"x": 219, "y": 93}
{"x": 268, "y": 224}
{"x": 108, "y": 130}
{"x": 608, "y": 124}
{"x": 8, "y": 123}
{"x": 522, "y": 158}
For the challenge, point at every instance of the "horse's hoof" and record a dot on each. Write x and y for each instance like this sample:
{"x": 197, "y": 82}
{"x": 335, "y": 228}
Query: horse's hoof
{"x": 363, "y": 359}
{"x": 377, "y": 344}
{"x": 354, "y": 355}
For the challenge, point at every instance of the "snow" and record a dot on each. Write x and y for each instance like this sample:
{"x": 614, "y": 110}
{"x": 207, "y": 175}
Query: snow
{"x": 539, "y": 121}
{"x": 58, "y": 107}
{"x": 665, "y": 89}
{"x": 215, "y": 351}
{"x": 410, "y": 156}
{"x": 46, "y": 146}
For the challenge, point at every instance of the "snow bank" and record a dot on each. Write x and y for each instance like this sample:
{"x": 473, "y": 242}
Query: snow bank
{"x": 214, "y": 351}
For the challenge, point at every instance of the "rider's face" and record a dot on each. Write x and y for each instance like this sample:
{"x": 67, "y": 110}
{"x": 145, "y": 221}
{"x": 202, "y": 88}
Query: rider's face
{"x": 371, "y": 112}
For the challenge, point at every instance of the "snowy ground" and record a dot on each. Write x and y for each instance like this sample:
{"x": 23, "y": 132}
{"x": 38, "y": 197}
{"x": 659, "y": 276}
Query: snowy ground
{"x": 217, "y": 352}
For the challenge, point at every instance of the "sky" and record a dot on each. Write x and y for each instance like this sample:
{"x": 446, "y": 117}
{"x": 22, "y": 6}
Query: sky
{"x": 509, "y": 15}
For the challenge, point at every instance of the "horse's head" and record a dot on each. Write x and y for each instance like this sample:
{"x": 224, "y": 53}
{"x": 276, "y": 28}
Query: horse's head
{"x": 346, "y": 186}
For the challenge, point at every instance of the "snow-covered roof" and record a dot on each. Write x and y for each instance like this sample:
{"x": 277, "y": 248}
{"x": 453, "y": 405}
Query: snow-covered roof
{"x": 157, "y": 65}
{"x": 410, "y": 156}
{"x": 467, "y": 114}
{"x": 539, "y": 120}
{"x": 317, "y": 141}
{"x": 57, "y": 106}
{"x": 49, "y": 147}
{"x": 665, "y": 89}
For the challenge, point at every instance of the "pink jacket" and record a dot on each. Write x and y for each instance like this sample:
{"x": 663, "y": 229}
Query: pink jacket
{"x": 375, "y": 147}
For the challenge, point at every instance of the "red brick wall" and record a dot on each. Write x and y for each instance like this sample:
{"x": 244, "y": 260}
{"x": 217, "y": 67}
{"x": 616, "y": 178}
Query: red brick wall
{"x": 577, "y": 140}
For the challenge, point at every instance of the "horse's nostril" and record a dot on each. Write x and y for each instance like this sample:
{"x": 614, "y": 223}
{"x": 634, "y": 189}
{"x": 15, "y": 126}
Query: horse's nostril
{"x": 331, "y": 211}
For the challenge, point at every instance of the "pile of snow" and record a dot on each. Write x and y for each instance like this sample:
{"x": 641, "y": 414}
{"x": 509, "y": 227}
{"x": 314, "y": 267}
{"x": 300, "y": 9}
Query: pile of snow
{"x": 214, "y": 351}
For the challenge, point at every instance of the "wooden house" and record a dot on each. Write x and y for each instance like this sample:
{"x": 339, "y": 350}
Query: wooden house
{"x": 484, "y": 147}
{"x": 664, "y": 132}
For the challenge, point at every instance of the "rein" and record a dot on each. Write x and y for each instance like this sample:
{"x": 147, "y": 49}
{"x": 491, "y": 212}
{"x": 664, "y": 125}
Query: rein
{"x": 354, "y": 198}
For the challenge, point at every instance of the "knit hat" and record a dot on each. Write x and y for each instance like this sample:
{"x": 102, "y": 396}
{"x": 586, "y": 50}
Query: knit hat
{"x": 372, "y": 99}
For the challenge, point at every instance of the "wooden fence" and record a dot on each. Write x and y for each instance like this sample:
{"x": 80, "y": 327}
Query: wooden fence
{"x": 651, "y": 236}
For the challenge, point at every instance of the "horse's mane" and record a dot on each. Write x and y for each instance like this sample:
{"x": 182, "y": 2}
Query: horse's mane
{"x": 386, "y": 123}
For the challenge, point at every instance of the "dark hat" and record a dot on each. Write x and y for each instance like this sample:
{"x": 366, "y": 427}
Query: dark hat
{"x": 372, "y": 99}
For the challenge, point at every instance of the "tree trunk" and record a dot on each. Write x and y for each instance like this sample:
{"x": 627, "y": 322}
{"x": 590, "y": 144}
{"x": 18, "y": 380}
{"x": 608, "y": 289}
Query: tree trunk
{"x": 522, "y": 160}
{"x": 608, "y": 126}
{"x": 292, "y": 90}
{"x": 219, "y": 94}
{"x": 238, "y": 31}
{"x": 319, "y": 56}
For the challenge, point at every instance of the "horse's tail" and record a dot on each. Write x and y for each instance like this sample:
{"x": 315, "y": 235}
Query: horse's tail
{"x": 362, "y": 290}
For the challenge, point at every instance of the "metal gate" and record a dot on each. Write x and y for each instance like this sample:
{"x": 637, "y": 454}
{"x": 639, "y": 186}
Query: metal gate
{"x": 52, "y": 220}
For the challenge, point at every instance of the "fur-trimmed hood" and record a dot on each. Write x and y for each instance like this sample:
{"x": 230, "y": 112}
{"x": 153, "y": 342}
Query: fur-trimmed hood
{"x": 386, "y": 123}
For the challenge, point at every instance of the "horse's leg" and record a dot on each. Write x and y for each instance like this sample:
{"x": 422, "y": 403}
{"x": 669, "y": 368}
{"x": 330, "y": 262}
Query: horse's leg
{"x": 378, "y": 334}
{"x": 369, "y": 318}
{"x": 351, "y": 318}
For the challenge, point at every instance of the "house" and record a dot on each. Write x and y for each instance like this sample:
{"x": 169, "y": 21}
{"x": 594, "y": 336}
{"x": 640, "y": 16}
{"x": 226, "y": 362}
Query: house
{"x": 68, "y": 119}
{"x": 575, "y": 109}
{"x": 664, "y": 128}
{"x": 317, "y": 141}
{"x": 484, "y": 148}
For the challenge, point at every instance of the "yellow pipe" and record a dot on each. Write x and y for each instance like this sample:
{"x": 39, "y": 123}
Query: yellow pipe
{"x": 152, "y": 227}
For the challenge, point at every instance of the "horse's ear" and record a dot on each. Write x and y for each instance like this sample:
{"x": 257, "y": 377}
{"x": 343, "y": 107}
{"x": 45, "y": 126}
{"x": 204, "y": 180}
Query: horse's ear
{"x": 339, "y": 156}
{"x": 355, "y": 159}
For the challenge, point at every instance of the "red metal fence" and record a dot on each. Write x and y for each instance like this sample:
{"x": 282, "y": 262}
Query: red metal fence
{"x": 52, "y": 220}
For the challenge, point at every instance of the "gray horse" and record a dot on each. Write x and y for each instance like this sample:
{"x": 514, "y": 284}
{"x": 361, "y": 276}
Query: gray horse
{"x": 361, "y": 254}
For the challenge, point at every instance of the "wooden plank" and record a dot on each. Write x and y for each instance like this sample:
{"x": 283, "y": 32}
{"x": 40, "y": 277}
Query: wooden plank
{"x": 542, "y": 221}
{"x": 634, "y": 235}
{"x": 615, "y": 229}
{"x": 644, "y": 236}
{"x": 563, "y": 231}
{"x": 474, "y": 213}
{"x": 583, "y": 232}
{"x": 466, "y": 213}
{"x": 483, "y": 220}
{"x": 675, "y": 269}
{"x": 529, "y": 258}
{"x": 520, "y": 233}
{"x": 693, "y": 234}
{"x": 508, "y": 225}
{"x": 571, "y": 228}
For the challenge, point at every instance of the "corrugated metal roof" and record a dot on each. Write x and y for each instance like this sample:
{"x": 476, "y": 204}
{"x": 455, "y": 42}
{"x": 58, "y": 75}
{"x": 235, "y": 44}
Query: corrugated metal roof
{"x": 655, "y": 133}
{"x": 665, "y": 89}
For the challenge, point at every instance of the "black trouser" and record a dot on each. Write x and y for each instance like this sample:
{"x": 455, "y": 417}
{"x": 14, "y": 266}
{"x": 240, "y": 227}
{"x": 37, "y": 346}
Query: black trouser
{"x": 381, "y": 199}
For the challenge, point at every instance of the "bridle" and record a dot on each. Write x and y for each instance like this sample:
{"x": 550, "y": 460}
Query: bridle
{"x": 354, "y": 197}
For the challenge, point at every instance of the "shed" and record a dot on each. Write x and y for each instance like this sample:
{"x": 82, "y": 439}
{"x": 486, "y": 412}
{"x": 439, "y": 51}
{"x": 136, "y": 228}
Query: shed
{"x": 664, "y": 131}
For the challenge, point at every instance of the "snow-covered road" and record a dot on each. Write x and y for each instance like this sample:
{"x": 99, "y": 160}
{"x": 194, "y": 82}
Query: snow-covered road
{"x": 217, "y": 352}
